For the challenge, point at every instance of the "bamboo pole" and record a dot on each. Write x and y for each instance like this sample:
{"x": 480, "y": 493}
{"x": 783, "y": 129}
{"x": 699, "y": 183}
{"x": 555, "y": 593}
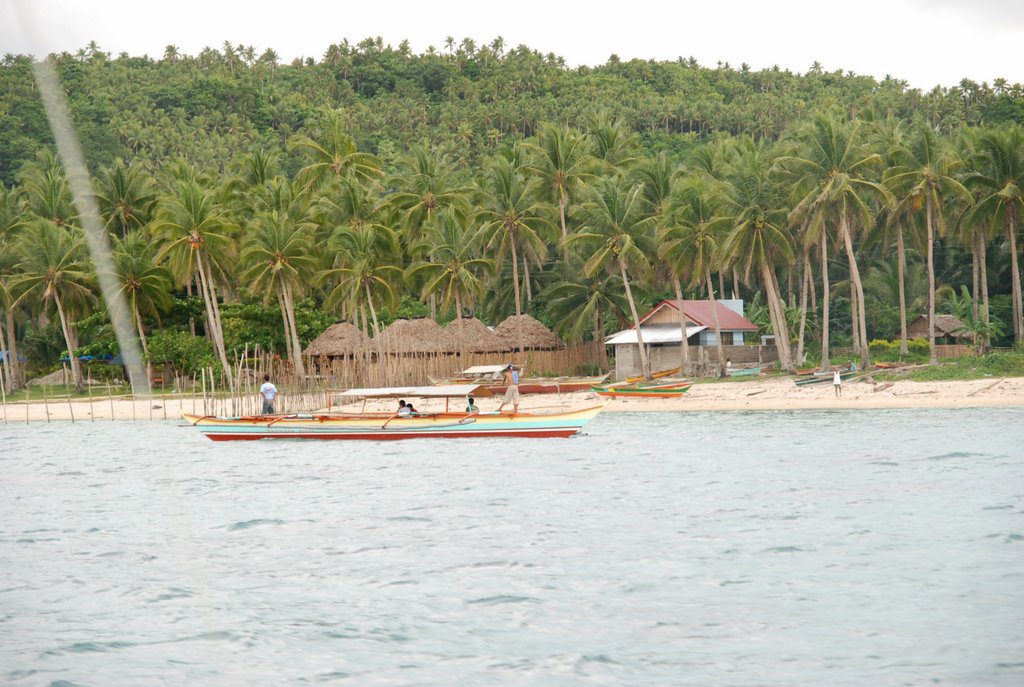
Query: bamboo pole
{"x": 3, "y": 398}
{"x": 46, "y": 407}
{"x": 28, "y": 396}
{"x": 110, "y": 397}
{"x": 71, "y": 408}
{"x": 92, "y": 411}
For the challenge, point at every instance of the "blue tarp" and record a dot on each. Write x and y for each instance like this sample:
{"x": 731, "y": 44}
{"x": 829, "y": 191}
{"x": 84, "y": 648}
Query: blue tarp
{"x": 4, "y": 355}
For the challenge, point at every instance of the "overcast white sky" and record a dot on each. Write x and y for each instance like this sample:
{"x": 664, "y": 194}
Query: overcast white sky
{"x": 925, "y": 42}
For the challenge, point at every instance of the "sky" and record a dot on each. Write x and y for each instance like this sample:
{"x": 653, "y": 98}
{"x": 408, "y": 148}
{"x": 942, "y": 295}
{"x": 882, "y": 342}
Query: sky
{"x": 923, "y": 42}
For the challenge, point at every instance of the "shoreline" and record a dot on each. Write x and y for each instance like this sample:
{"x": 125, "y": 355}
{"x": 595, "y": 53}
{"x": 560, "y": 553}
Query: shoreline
{"x": 763, "y": 394}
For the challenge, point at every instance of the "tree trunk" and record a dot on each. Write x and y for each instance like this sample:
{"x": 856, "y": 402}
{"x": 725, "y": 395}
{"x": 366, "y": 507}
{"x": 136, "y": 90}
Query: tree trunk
{"x": 932, "y": 357}
{"x": 142, "y": 341}
{"x": 76, "y": 368}
{"x": 778, "y": 318}
{"x": 975, "y": 290}
{"x": 735, "y": 283}
{"x": 805, "y": 282}
{"x": 684, "y": 346}
{"x": 12, "y": 336}
{"x": 718, "y": 328}
{"x": 526, "y": 280}
{"x": 854, "y": 322}
{"x": 286, "y": 322}
{"x": 515, "y": 284}
{"x": 217, "y": 333}
{"x": 458, "y": 328}
{"x": 983, "y": 277}
{"x": 826, "y": 296}
{"x": 1011, "y": 235}
{"x": 188, "y": 292}
{"x": 5, "y": 363}
{"x": 645, "y": 364}
{"x": 859, "y": 290}
{"x": 563, "y": 200}
{"x": 901, "y": 269}
{"x": 289, "y": 305}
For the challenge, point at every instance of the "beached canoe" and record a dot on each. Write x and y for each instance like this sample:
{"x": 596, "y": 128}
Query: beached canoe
{"x": 654, "y": 375}
{"x": 388, "y": 426}
{"x": 824, "y": 378}
{"x": 744, "y": 371}
{"x": 670, "y": 390}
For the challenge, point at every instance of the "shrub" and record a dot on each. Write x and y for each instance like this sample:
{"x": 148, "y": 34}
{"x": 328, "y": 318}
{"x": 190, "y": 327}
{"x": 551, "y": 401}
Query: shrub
{"x": 880, "y": 347}
{"x": 186, "y": 353}
{"x": 918, "y": 347}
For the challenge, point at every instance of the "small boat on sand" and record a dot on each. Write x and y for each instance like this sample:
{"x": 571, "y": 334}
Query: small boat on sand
{"x": 823, "y": 378}
{"x": 654, "y": 375}
{"x": 490, "y": 376}
{"x": 744, "y": 371}
{"x": 447, "y": 424}
{"x": 665, "y": 390}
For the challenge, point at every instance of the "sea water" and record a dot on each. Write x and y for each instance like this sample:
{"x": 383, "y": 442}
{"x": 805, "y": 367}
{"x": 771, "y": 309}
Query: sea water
{"x": 823, "y": 548}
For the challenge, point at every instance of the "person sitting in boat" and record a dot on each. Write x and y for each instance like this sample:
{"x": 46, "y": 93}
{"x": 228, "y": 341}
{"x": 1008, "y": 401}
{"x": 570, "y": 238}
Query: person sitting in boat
{"x": 512, "y": 392}
{"x": 470, "y": 407}
{"x": 404, "y": 409}
{"x": 412, "y": 411}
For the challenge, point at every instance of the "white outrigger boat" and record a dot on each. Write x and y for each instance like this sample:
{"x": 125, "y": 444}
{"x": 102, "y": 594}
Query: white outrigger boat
{"x": 446, "y": 424}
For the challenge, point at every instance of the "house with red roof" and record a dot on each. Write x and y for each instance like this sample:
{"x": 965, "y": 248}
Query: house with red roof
{"x": 662, "y": 336}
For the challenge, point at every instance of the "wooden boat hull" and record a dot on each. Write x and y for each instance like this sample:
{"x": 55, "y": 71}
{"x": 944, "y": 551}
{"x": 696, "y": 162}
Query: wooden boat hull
{"x": 659, "y": 391}
{"x": 823, "y": 379}
{"x": 542, "y": 385}
{"x": 384, "y": 426}
{"x": 744, "y": 372}
{"x": 654, "y": 375}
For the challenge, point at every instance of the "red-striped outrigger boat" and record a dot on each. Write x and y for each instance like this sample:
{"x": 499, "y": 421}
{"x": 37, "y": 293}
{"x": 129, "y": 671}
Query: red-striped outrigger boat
{"x": 446, "y": 424}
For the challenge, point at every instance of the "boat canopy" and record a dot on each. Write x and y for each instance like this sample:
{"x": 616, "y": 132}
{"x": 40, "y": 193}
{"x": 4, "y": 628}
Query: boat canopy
{"x": 445, "y": 391}
{"x": 480, "y": 370}
{"x": 653, "y": 334}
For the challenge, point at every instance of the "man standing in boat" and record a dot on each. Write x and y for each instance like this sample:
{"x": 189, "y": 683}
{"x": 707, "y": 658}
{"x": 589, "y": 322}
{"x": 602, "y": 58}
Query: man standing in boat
{"x": 267, "y": 392}
{"x": 512, "y": 392}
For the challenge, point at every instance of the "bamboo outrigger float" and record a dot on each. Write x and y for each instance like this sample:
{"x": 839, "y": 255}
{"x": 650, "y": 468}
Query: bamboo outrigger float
{"x": 446, "y": 424}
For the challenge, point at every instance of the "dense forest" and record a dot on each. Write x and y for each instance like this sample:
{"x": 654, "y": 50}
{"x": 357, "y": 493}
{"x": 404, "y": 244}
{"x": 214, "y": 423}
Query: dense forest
{"x": 253, "y": 202}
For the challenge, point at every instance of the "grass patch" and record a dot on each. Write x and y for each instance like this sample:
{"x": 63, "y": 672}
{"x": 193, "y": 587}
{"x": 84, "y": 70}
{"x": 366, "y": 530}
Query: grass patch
{"x": 992, "y": 365}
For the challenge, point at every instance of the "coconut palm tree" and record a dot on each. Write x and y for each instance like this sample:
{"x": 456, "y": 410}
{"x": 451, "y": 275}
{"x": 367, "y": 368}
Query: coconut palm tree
{"x": 579, "y": 301}
{"x": 1000, "y": 181}
{"x": 55, "y": 267}
{"x": 454, "y": 267}
{"x": 689, "y": 243}
{"x": 195, "y": 235}
{"x": 561, "y": 158}
{"x": 511, "y": 217}
{"x": 332, "y": 154}
{"x": 12, "y": 219}
{"x": 146, "y": 285}
{"x": 618, "y": 234}
{"x": 833, "y": 163}
{"x": 278, "y": 259}
{"x": 125, "y": 198}
{"x": 924, "y": 179}
{"x": 753, "y": 216}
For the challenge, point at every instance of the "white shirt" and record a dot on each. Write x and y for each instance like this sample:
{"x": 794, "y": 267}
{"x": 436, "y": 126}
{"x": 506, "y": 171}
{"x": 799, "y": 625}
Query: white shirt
{"x": 836, "y": 379}
{"x": 268, "y": 391}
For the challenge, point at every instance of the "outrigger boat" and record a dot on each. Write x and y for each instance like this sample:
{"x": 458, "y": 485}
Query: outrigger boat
{"x": 446, "y": 424}
{"x": 655, "y": 375}
{"x": 666, "y": 390}
{"x": 490, "y": 377}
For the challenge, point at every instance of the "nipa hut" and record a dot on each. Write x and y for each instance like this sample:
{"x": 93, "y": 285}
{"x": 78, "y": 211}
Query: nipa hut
{"x": 948, "y": 329}
{"x": 340, "y": 340}
{"x": 474, "y": 336}
{"x": 525, "y": 331}
{"x": 421, "y": 336}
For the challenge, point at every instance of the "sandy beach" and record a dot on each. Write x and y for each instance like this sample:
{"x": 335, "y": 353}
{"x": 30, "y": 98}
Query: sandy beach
{"x": 760, "y": 394}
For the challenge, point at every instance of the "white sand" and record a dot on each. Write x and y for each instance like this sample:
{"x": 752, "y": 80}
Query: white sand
{"x": 766, "y": 393}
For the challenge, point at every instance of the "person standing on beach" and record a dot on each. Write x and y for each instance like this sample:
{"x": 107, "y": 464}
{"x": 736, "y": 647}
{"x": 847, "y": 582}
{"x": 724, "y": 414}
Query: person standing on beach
{"x": 512, "y": 392}
{"x": 837, "y": 383}
{"x": 267, "y": 392}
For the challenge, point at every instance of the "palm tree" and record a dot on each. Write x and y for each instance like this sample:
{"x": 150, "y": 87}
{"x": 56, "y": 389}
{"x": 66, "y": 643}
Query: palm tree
{"x": 278, "y": 259}
{"x": 511, "y": 217}
{"x": 1000, "y": 181}
{"x": 55, "y": 267}
{"x": 753, "y": 215}
{"x": 619, "y": 233}
{"x": 688, "y": 243}
{"x": 925, "y": 179}
{"x": 832, "y": 165}
{"x": 12, "y": 219}
{"x": 453, "y": 268}
{"x": 332, "y": 154}
{"x": 364, "y": 270}
{"x": 125, "y": 198}
{"x": 579, "y": 301}
{"x": 146, "y": 285}
{"x": 46, "y": 190}
{"x": 561, "y": 157}
{"x": 195, "y": 235}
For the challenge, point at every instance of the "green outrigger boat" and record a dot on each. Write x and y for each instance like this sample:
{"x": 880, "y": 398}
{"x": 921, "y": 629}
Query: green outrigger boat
{"x": 667, "y": 390}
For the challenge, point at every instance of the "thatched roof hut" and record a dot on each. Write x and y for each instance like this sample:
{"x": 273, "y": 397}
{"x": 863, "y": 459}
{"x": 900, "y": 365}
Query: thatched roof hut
{"x": 415, "y": 337}
{"x": 339, "y": 340}
{"x": 475, "y": 337}
{"x": 946, "y": 328}
{"x": 534, "y": 335}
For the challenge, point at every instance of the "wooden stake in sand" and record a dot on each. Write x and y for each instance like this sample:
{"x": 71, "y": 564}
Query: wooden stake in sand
{"x": 110, "y": 396}
{"x": 46, "y": 407}
{"x": 3, "y": 397}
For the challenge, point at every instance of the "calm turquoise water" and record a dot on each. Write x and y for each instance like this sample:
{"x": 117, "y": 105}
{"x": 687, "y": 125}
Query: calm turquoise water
{"x": 809, "y": 548}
